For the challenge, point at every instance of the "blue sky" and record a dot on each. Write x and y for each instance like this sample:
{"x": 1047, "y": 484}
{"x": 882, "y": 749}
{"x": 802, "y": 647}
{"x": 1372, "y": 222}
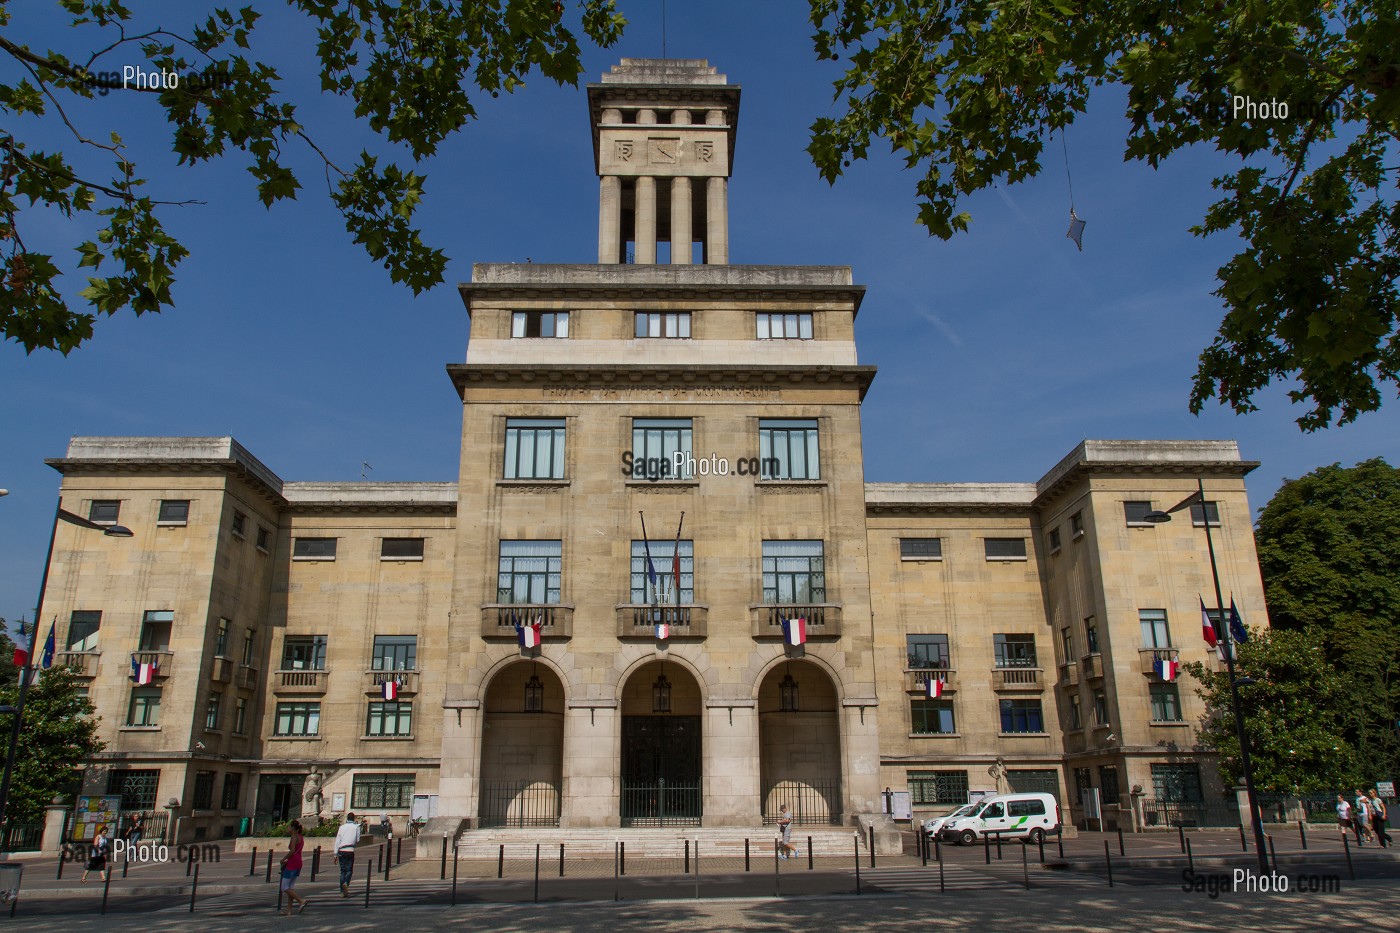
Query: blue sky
{"x": 998, "y": 351}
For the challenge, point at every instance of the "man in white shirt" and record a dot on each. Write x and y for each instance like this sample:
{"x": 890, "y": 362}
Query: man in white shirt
{"x": 345, "y": 840}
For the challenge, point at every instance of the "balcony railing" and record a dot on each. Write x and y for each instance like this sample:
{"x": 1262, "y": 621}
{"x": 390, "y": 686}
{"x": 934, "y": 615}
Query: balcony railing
{"x": 222, "y": 670}
{"x": 408, "y": 681}
{"x": 82, "y": 663}
{"x": 1069, "y": 673}
{"x": 636, "y": 621}
{"x": 1093, "y": 666}
{"x": 163, "y": 660}
{"x": 916, "y": 678}
{"x": 823, "y": 619}
{"x": 498, "y": 619}
{"x": 247, "y": 676}
{"x": 1148, "y": 658}
{"x": 1017, "y": 678}
{"x": 299, "y": 682}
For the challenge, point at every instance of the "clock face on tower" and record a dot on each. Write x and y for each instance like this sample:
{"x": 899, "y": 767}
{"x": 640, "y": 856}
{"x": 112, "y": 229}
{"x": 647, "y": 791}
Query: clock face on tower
{"x": 665, "y": 150}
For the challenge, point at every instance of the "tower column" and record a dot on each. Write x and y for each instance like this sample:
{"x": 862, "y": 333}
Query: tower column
{"x": 717, "y": 222}
{"x": 680, "y": 221}
{"x": 609, "y": 219}
{"x": 646, "y": 220}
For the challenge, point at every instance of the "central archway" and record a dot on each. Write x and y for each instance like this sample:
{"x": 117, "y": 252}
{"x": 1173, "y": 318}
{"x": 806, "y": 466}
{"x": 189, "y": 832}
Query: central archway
{"x": 661, "y": 747}
{"x": 522, "y": 747}
{"x": 800, "y": 736}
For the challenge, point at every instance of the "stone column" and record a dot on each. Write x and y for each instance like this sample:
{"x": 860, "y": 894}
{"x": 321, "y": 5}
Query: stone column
{"x": 731, "y": 762}
{"x": 681, "y": 241}
{"x": 860, "y": 745}
{"x": 592, "y": 764}
{"x": 609, "y": 219}
{"x": 717, "y": 221}
{"x": 646, "y": 221}
{"x": 459, "y": 777}
{"x": 54, "y": 817}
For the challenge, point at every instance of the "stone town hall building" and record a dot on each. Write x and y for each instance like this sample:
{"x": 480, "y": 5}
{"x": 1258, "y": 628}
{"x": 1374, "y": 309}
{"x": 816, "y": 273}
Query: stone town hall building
{"x": 275, "y": 610}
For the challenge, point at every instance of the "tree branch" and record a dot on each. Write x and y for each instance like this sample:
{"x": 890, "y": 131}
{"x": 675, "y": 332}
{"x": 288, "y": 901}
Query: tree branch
{"x": 83, "y": 76}
{"x": 112, "y": 192}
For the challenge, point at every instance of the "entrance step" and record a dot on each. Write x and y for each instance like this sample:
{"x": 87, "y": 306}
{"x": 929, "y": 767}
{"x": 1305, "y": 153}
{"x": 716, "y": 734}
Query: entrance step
{"x": 667, "y": 842}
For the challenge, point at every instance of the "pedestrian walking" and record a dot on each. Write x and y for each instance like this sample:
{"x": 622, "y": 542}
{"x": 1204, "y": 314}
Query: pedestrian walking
{"x": 785, "y": 849}
{"x": 346, "y": 838}
{"x": 99, "y": 855}
{"x": 291, "y": 868}
{"x": 135, "y": 829}
{"x": 1361, "y": 817}
{"x": 1379, "y": 813}
{"x": 386, "y": 826}
{"x": 1343, "y": 816}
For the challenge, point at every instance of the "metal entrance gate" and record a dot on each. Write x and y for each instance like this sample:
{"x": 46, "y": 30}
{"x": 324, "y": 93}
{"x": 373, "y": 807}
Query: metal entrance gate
{"x": 661, "y": 771}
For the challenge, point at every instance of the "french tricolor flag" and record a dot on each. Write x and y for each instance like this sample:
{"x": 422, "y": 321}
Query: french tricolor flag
{"x": 529, "y": 635}
{"x": 143, "y": 674}
{"x": 1207, "y": 626}
{"x": 1167, "y": 669}
{"x": 934, "y": 687}
{"x": 390, "y": 688}
{"x": 795, "y": 631}
{"x": 663, "y": 631}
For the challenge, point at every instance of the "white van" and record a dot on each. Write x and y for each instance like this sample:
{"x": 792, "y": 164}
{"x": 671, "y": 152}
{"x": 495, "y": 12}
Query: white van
{"x": 1011, "y": 816}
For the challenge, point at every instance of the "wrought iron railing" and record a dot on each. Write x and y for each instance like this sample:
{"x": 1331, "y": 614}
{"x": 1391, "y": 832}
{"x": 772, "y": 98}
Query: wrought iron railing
{"x": 1148, "y": 658}
{"x": 640, "y": 621}
{"x": 519, "y": 803}
{"x": 498, "y": 620}
{"x": 21, "y": 837}
{"x": 661, "y": 804}
{"x": 1189, "y": 813}
{"x": 823, "y": 619}
{"x": 811, "y": 803}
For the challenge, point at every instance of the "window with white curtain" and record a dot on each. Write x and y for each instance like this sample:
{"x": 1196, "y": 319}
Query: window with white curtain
{"x": 794, "y": 572}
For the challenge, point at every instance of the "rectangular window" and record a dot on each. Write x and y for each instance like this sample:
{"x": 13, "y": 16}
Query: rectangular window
{"x": 1135, "y": 511}
{"x": 155, "y": 630}
{"x": 1166, "y": 703}
{"x": 104, "y": 511}
{"x": 211, "y": 711}
{"x": 1005, "y": 548}
{"x": 1054, "y": 540}
{"x": 655, "y": 442}
{"x": 1067, "y": 642}
{"x": 664, "y": 324}
{"x": 1083, "y": 780}
{"x": 1014, "y": 650}
{"x": 144, "y": 709}
{"x": 250, "y": 638}
{"x": 794, "y": 573}
{"x": 530, "y": 572}
{"x": 932, "y": 717}
{"x": 264, "y": 539}
{"x": 395, "y": 653}
{"x": 1076, "y": 525}
{"x": 240, "y": 523}
{"x": 539, "y": 324}
{"x": 1154, "y": 628}
{"x": 173, "y": 512}
{"x": 298, "y": 719}
{"x": 240, "y": 716}
{"x": 381, "y": 791}
{"x": 534, "y": 448}
{"x": 920, "y": 548}
{"x": 775, "y": 325}
{"x": 137, "y": 788}
{"x": 1200, "y": 511}
{"x": 391, "y": 718}
{"x": 663, "y": 590}
{"x": 1178, "y": 783}
{"x": 304, "y": 653}
{"x": 221, "y": 639}
{"x": 933, "y": 788}
{"x": 233, "y": 791}
{"x": 1021, "y": 716}
{"x": 1091, "y": 635}
{"x": 1076, "y": 712}
{"x": 1100, "y": 708}
{"x": 313, "y": 548}
{"x": 82, "y": 629}
{"x": 401, "y": 549}
{"x": 1108, "y": 784}
{"x": 926, "y": 652}
{"x": 203, "y": 797}
{"x": 787, "y": 449}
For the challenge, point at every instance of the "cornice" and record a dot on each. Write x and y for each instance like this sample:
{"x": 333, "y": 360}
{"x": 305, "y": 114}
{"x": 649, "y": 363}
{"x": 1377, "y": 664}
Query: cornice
{"x": 1184, "y": 468}
{"x": 656, "y": 376}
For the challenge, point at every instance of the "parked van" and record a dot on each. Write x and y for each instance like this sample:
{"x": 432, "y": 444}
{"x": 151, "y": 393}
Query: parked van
{"x": 1014, "y": 816}
{"x": 931, "y": 827}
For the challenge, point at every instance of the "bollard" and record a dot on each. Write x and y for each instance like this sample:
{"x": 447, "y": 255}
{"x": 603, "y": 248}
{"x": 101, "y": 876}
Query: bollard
{"x": 1243, "y": 847}
{"x": 1303, "y": 834}
{"x": 315, "y": 863}
{"x": 1345, "y": 844}
{"x": 398, "y": 854}
{"x": 561, "y": 860}
{"x": 923, "y": 847}
{"x": 809, "y": 851}
{"x": 1272, "y": 857}
{"x": 616, "y": 866}
{"x": 1181, "y": 832}
{"x": 379, "y": 858}
{"x": 938, "y": 852}
{"x": 63, "y": 857}
{"x": 1040, "y": 844}
{"x": 622, "y": 856}
{"x": 501, "y": 862}
{"x": 253, "y": 863}
{"x": 872, "y": 845}
{"x": 1190, "y": 859}
{"x": 454, "y": 876}
{"x": 746, "y": 853}
{"x": 987, "y": 848}
{"x": 686, "y": 869}
{"x": 1108, "y": 860}
{"x": 268, "y": 879}
{"x": 194, "y": 888}
{"x": 855, "y": 842}
{"x": 1025, "y": 867}
{"x": 107, "y": 883}
{"x": 442, "y": 874}
{"x": 1060, "y": 841}
{"x": 537, "y": 873}
{"x": 368, "y": 875}
{"x": 1121, "y": 850}
{"x": 697, "y": 869}
{"x": 777, "y": 843}
{"x": 126, "y": 865}
{"x": 388, "y": 859}
{"x": 998, "y": 845}
{"x": 189, "y": 861}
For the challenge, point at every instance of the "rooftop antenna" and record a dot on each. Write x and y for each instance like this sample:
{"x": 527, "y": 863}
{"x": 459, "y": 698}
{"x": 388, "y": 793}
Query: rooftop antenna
{"x": 364, "y": 465}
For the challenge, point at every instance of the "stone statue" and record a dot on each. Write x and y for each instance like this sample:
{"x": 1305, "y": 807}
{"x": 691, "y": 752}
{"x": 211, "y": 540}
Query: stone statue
{"x": 997, "y": 772}
{"x": 314, "y": 794}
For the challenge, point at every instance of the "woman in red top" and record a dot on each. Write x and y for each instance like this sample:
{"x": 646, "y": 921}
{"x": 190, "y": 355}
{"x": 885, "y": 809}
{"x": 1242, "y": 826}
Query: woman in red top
{"x": 291, "y": 868}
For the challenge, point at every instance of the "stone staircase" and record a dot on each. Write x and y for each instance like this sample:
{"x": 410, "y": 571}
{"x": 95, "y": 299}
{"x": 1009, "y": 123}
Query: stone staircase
{"x": 668, "y": 842}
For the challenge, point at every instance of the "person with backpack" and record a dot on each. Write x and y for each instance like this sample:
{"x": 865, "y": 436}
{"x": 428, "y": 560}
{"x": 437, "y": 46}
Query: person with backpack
{"x": 1379, "y": 813}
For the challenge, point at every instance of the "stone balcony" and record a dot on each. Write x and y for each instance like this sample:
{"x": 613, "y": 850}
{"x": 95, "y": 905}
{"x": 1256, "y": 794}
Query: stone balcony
{"x": 1014, "y": 679}
{"x": 408, "y": 682}
{"x": 823, "y": 619}
{"x": 498, "y": 620}
{"x": 164, "y": 661}
{"x": 1069, "y": 674}
{"x": 640, "y": 621}
{"x": 1092, "y": 665}
{"x": 916, "y": 678}
{"x": 247, "y": 676}
{"x": 222, "y": 670}
{"x": 1148, "y": 657}
{"x": 299, "y": 682}
{"x": 81, "y": 663}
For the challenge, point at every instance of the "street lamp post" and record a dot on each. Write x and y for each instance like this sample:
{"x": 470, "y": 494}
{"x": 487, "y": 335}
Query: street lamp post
{"x": 1224, "y": 636}
{"x": 26, "y": 673}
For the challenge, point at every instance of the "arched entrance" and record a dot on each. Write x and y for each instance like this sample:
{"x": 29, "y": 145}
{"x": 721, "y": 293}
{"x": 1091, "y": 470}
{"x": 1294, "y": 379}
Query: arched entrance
{"x": 522, "y": 747}
{"x": 799, "y": 733}
{"x": 661, "y": 747}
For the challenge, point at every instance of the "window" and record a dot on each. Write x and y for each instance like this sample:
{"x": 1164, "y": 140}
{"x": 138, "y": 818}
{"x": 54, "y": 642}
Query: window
{"x": 779, "y": 326}
{"x": 1177, "y": 782}
{"x": 313, "y": 548}
{"x": 137, "y": 788}
{"x": 144, "y": 709}
{"x": 655, "y": 442}
{"x": 304, "y": 653}
{"x": 1108, "y": 784}
{"x": 1006, "y": 548}
{"x": 1166, "y": 703}
{"x": 1067, "y": 642}
{"x": 787, "y": 449}
{"x": 395, "y": 653}
{"x": 1076, "y": 713}
{"x": 1200, "y": 511}
{"x": 668, "y": 324}
{"x": 82, "y": 630}
{"x": 221, "y": 639}
{"x": 155, "y": 630}
{"x": 1021, "y": 716}
{"x": 793, "y": 573}
{"x": 1100, "y": 708}
{"x": 1091, "y": 635}
{"x": 1014, "y": 650}
{"x": 173, "y": 512}
{"x": 233, "y": 790}
{"x": 1033, "y": 807}
{"x": 264, "y": 538}
{"x": 250, "y": 638}
{"x": 1154, "y": 628}
{"x": 530, "y": 572}
{"x": 203, "y": 798}
{"x": 240, "y": 523}
{"x": 539, "y": 324}
{"x": 926, "y": 652}
{"x": 929, "y": 788}
{"x": 663, "y": 556}
{"x": 932, "y": 717}
{"x": 1054, "y": 540}
{"x": 211, "y": 711}
{"x": 389, "y": 718}
{"x": 1076, "y": 525}
{"x": 104, "y": 511}
{"x": 1083, "y": 781}
{"x": 1135, "y": 511}
{"x": 534, "y": 448}
{"x": 381, "y": 791}
{"x": 298, "y": 719}
{"x": 240, "y": 716}
{"x": 401, "y": 549}
{"x": 920, "y": 548}
{"x": 1033, "y": 781}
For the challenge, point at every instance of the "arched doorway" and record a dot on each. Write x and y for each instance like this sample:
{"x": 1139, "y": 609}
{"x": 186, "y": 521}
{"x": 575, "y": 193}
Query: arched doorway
{"x": 661, "y": 747}
{"x": 800, "y": 739}
{"x": 522, "y": 747}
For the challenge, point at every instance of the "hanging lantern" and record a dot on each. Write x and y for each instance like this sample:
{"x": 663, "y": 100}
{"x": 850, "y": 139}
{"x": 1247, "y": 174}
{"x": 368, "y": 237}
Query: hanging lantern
{"x": 787, "y": 693}
{"x": 534, "y": 694}
{"x": 661, "y": 695}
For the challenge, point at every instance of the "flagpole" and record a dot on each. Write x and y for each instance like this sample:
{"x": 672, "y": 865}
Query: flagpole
{"x": 677, "y": 558}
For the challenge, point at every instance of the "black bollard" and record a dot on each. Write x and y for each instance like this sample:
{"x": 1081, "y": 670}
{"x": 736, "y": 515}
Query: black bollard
{"x": 923, "y": 847}
{"x": 368, "y": 875}
{"x": 1303, "y": 834}
{"x": 1181, "y": 833}
{"x": 194, "y": 888}
{"x": 107, "y": 883}
{"x": 872, "y": 845}
{"x": 388, "y": 860}
{"x": 987, "y": 848}
{"x": 1243, "y": 847}
{"x": 1060, "y": 841}
{"x": 686, "y": 869}
{"x": 1345, "y": 844}
{"x": 777, "y": 844}
{"x": 253, "y": 863}
{"x": 189, "y": 861}
{"x": 1040, "y": 844}
{"x": 379, "y": 858}
{"x": 63, "y": 856}
{"x": 454, "y": 876}
{"x": 442, "y": 873}
{"x": 998, "y": 845}
{"x": 617, "y": 865}
{"x": 315, "y": 863}
{"x": 1272, "y": 857}
{"x": 1108, "y": 860}
{"x": 697, "y": 869}
{"x": 501, "y": 862}
{"x": 561, "y": 860}
{"x": 622, "y": 856}
{"x": 938, "y": 853}
{"x": 1190, "y": 859}
{"x": 809, "y": 853}
{"x": 746, "y": 853}
{"x": 855, "y": 842}
{"x": 268, "y": 878}
{"x": 1025, "y": 868}
{"x": 126, "y": 866}
{"x": 1121, "y": 850}
{"x": 398, "y": 853}
{"x": 537, "y": 873}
